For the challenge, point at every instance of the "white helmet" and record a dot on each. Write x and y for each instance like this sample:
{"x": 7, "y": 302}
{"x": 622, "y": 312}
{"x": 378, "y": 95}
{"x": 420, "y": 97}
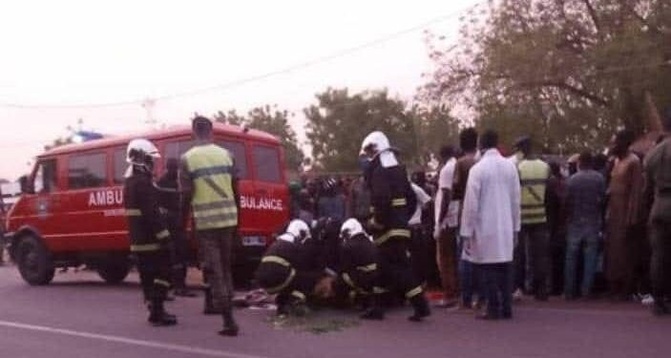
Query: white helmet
{"x": 141, "y": 152}
{"x": 287, "y": 238}
{"x": 299, "y": 230}
{"x": 374, "y": 143}
{"x": 351, "y": 228}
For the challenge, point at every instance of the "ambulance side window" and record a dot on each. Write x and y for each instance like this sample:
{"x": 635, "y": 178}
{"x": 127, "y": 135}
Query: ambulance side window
{"x": 267, "y": 164}
{"x": 87, "y": 171}
{"x": 45, "y": 177}
{"x": 177, "y": 149}
{"x": 237, "y": 150}
{"x": 120, "y": 166}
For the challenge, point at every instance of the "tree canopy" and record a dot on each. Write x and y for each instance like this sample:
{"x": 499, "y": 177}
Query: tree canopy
{"x": 568, "y": 72}
{"x": 273, "y": 120}
{"x": 340, "y": 121}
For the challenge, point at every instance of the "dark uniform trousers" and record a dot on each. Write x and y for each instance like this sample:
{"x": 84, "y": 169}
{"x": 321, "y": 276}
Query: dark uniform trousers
{"x": 154, "y": 268}
{"x": 395, "y": 271}
{"x": 215, "y": 246}
{"x": 660, "y": 266}
{"x": 179, "y": 251}
{"x": 289, "y": 284}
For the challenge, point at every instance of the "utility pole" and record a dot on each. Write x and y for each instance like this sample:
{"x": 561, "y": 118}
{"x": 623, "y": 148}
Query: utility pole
{"x": 148, "y": 105}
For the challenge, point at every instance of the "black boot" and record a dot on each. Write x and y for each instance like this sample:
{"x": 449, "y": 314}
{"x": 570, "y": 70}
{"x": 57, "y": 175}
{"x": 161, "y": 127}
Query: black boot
{"x": 209, "y": 308}
{"x": 374, "y": 311}
{"x": 158, "y": 316}
{"x": 421, "y": 307}
{"x": 230, "y": 328}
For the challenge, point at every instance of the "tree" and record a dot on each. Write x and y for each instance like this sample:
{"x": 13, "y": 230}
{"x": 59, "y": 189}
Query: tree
{"x": 274, "y": 121}
{"x": 58, "y": 142}
{"x": 569, "y": 72}
{"x": 340, "y": 121}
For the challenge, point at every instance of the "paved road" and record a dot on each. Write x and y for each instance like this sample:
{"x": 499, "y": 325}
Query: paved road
{"x": 79, "y": 316}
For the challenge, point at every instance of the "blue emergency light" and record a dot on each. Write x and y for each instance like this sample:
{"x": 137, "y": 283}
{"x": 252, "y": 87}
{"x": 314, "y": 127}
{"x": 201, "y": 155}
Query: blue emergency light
{"x": 85, "y": 136}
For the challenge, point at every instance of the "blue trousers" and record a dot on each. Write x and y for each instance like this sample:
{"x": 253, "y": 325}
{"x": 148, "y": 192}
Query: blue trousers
{"x": 587, "y": 237}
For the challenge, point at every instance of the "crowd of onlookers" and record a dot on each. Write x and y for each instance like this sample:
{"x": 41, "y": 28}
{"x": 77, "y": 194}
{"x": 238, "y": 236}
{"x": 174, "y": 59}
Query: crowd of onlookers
{"x": 575, "y": 261}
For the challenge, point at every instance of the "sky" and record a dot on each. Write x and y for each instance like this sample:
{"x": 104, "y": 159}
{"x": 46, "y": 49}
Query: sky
{"x": 100, "y": 60}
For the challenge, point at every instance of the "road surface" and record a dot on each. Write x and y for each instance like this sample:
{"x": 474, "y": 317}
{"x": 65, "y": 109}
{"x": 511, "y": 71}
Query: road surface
{"x": 79, "y": 316}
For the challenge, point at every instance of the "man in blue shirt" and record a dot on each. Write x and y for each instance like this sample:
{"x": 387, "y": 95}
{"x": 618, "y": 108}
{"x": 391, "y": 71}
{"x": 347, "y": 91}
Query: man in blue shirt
{"x": 586, "y": 191}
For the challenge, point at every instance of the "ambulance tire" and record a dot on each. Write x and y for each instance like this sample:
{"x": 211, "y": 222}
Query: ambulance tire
{"x": 114, "y": 272}
{"x": 34, "y": 261}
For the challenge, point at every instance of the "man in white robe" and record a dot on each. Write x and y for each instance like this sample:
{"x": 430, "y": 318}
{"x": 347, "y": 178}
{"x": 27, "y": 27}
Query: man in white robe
{"x": 491, "y": 222}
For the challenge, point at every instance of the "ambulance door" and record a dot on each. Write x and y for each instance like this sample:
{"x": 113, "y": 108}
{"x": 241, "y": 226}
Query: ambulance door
{"x": 40, "y": 205}
{"x": 270, "y": 202}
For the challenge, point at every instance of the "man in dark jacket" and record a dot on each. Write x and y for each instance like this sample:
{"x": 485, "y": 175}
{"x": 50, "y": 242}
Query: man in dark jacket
{"x": 392, "y": 201}
{"x": 170, "y": 202}
{"x": 149, "y": 236}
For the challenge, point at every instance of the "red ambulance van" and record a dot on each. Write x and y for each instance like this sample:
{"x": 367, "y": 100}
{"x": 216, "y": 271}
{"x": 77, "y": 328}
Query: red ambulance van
{"x": 71, "y": 210}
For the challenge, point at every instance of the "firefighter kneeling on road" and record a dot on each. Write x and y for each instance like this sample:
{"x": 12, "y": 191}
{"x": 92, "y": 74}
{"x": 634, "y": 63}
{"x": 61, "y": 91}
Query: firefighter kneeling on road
{"x": 359, "y": 267}
{"x": 148, "y": 232}
{"x": 280, "y": 271}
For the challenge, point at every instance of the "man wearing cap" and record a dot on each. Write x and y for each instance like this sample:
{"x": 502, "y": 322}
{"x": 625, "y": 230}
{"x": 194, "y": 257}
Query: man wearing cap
{"x": 209, "y": 187}
{"x": 533, "y": 248}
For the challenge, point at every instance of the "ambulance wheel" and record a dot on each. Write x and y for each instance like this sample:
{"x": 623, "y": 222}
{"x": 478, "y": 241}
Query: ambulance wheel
{"x": 114, "y": 272}
{"x": 34, "y": 262}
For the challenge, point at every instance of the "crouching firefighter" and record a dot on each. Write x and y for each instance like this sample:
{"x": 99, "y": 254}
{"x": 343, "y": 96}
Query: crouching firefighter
{"x": 148, "y": 232}
{"x": 280, "y": 271}
{"x": 392, "y": 204}
{"x": 359, "y": 268}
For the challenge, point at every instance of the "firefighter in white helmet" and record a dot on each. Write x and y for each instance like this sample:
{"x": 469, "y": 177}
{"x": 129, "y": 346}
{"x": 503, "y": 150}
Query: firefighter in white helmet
{"x": 393, "y": 202}
{"x": 358, "y": 265}
{"x": 281, "y": 270}
{"x": 148, "y": 232}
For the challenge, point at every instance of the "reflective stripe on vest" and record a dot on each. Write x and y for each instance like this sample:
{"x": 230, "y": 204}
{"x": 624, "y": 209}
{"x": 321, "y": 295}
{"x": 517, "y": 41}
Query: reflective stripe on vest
{"x": 367, "y": 268}
{"x": 213, "y": 204}
{"x": 283, "y": 285}
{"x": 276, "y": 260}
{"x": 145, "y": 247}
{"x": 399, "y": 233}
{"x": 533, "y": 181}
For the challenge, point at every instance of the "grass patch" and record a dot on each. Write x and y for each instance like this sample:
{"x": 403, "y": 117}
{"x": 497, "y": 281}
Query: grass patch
{"x": 313, "y": 322}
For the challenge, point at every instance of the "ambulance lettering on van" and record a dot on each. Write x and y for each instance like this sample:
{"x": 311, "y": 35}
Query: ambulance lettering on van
{"x": 106, "y": 198}
{"x": 247, "y": 202}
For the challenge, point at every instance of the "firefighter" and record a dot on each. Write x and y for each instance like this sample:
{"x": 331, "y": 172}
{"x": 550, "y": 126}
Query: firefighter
{"x": 392, "y": 203}
{"x": 358, "y": 265}
{"x": 149, "y": 236}
{"x": 281, "y": 270}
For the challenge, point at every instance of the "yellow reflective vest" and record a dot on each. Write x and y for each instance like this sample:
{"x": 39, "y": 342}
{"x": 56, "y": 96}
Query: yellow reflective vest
{"x": 533, "y": 180}
{"x": 211, "y": 168}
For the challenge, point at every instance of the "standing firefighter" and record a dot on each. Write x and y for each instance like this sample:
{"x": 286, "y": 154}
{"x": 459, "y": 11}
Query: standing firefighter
{"x": 392, "y": 201}
{"x": 210, "y": 189}
{"x": 149, "y": 236}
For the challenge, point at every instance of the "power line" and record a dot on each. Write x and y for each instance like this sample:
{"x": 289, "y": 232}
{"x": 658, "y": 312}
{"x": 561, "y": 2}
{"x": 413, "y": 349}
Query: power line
{"x": 260, "y": 77}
